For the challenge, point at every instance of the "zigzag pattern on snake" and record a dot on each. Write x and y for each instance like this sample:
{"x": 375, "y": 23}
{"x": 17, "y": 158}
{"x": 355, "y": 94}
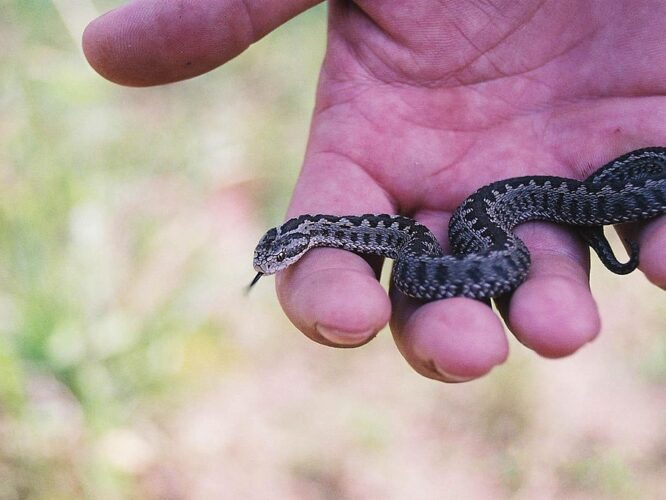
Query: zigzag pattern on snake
{"x": 486, "y": 258}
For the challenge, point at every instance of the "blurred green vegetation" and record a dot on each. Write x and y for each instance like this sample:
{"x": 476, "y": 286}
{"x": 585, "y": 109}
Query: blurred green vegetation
{"x": 90, "y": 175}
{"x": 132, "y": 367}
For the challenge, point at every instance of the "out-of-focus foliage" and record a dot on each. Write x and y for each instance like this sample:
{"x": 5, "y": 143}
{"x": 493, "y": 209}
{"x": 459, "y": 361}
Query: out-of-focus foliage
{"x": 131, "y": 364}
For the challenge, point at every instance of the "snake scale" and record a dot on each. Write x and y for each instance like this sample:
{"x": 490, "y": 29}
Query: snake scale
{"x": 487, "y": 259}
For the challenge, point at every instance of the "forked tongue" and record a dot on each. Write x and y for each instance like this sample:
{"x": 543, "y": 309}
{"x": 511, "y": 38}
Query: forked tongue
{"x": 254, "y": 282}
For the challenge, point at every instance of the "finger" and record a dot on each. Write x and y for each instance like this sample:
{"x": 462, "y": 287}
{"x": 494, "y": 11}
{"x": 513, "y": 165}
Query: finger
{"x": 451, "y": 340}
{"x": 553, "y": 312}
{"x": 151, "y": 42}
{"x": 651, "y": 239}
{"x": 334, "y": 296}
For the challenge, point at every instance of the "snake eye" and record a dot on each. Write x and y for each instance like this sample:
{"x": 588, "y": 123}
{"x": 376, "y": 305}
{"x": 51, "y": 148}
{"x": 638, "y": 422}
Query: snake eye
{"x": 280, "y": 257}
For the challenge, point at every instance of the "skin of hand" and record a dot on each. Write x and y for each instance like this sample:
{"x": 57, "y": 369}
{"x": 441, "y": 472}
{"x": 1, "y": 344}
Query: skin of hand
{"x": 419, "y": 103}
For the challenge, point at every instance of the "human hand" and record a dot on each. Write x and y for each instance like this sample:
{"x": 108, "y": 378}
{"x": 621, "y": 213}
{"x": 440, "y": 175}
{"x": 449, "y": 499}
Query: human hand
{"x": 420, "y": 102}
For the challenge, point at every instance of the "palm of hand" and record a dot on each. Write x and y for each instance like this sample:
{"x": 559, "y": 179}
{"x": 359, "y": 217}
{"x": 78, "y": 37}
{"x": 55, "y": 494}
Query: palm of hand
{"x": 420, "y": 103}
{"x": 532, "y": 95}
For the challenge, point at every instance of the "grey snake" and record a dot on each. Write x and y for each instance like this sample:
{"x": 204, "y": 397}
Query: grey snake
{"x": 486, "y": 259}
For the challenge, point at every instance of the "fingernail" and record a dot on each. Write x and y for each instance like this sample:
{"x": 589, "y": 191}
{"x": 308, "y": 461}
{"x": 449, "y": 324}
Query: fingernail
{"x": 447, "y": 377}
{"x": 344, "y": 338}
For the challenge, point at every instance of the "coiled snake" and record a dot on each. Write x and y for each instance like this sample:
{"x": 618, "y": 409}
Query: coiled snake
{"x": 486, "y": 258}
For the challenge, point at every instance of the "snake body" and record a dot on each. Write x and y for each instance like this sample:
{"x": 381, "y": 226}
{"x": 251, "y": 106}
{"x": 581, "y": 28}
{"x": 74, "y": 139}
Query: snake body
{"x": 487, "y": 259}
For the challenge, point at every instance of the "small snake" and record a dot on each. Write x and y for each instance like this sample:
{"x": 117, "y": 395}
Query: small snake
{"x": 487, "y": 259}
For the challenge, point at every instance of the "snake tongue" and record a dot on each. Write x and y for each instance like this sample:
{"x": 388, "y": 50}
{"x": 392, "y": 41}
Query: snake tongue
{"x": 254, "y": 281}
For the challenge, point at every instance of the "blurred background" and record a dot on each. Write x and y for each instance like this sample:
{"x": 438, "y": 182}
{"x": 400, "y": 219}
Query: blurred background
{"x": 132, "y": 365}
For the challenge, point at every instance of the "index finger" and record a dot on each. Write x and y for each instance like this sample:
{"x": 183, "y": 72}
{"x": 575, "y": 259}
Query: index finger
{"x": 334, "y": 296}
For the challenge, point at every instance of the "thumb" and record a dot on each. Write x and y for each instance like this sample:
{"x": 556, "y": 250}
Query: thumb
{"x": 151, "y": 42}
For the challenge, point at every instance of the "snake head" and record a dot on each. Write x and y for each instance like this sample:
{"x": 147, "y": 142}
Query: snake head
{"x": 277, "y": 250}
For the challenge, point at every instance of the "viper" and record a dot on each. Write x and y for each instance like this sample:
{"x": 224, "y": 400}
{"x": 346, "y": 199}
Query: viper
{"x": 487, "y": 259}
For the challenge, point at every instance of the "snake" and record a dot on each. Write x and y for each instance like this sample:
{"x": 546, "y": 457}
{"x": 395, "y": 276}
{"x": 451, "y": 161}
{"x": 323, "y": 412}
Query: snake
{"x": 486, "y": 259}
